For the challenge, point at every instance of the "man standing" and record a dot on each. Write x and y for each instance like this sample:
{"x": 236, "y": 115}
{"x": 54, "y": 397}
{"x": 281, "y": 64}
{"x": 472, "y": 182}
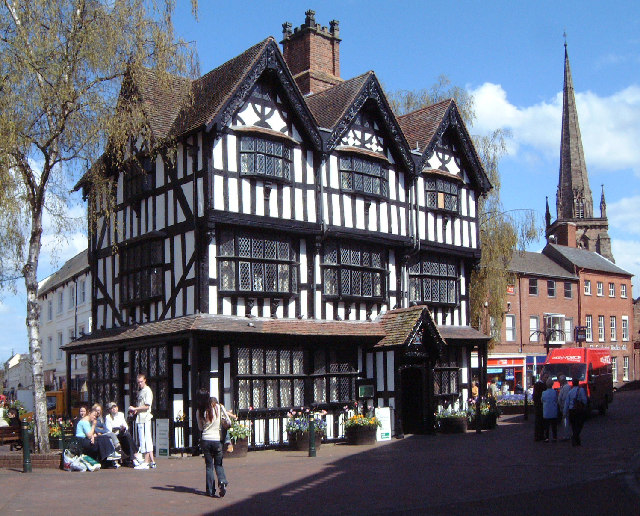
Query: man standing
{"x": 538, "y": 388}
{"x": 143, "y": 422}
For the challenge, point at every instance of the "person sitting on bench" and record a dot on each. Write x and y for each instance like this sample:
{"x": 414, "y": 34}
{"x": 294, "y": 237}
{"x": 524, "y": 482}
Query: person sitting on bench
{"x": 97, "y": 446}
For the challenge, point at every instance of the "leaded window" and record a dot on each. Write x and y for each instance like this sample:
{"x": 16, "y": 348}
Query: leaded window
{"x": 257, "y": 264}
{"x": 334, "y": 374}
{"x": 104, "y": 377}
{"x": 433, "y": 279}
{"x": 368, "y": 177}
{"x": 141, "y": 271}
{"x": 354, "y": 271}
{"x": 138, "y": 180}
{"x": 270, "y": 378}
{"x": 266, "y": 158}
{"x": 153, "y": 362}
{"x": 442, "y": 194}
{"x": 447, "y": 377}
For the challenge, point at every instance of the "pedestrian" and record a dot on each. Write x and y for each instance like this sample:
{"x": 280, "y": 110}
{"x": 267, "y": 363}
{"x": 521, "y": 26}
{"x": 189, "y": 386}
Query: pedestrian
{"x": 538, "y": 388}
{"x": 475, "y": 390}
{"x": 576, "y": 406}
{"x": 550, "y": 411}
{"x": 143, "y": 415}
{"x": 493, "y": 388}
{"x": 117, "y": 424}
{"x": 563, "y": 416}
{"x": 96, "y": 446}
{"x": 82, "y": 412}
{"x": 209, "y": 415}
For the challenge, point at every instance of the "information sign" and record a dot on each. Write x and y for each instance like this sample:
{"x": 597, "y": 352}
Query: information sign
{"x": 162, "y": 437}
{"x": 384, "y": 416}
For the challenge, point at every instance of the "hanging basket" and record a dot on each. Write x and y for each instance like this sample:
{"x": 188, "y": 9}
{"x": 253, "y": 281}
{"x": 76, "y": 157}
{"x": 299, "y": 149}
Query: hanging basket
{"x": 361, "y": 434}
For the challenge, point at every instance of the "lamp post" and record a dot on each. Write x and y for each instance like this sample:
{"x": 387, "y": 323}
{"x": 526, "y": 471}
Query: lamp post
{"x": 548, "y": 334}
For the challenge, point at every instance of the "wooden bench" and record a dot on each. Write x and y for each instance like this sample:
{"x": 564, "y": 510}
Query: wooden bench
{"x": 11, "y": 435}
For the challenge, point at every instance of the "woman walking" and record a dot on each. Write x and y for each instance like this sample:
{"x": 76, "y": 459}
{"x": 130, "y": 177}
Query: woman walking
{"x": 209, "y": 415}
{"x": 550, "y": 411}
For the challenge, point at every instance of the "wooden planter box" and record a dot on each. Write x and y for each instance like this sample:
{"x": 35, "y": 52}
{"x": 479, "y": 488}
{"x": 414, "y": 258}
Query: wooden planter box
{"x": 240, "y": 449}
{"x": 452, "y": 425}
{"x": 299, "y": 441}
{"x": 55, "y": 443}
{"x": 361, "y": 434}
{"x": 509, "y": 410}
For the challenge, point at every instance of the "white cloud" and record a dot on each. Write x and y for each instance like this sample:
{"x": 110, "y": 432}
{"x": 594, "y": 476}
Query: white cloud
{"x": 623, "y": 215}
{"x": 627, "y": 254}
{"x": 610, "y": 126}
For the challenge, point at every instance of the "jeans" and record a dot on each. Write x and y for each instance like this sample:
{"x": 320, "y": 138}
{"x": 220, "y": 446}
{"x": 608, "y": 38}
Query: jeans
{"x": 213, "y": 457}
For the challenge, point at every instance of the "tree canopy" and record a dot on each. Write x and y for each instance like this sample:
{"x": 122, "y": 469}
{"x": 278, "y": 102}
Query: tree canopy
{"x": 62, "y": 66}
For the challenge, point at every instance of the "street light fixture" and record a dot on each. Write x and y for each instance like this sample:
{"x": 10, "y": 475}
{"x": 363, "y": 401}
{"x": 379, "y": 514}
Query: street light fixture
{"x": 548, "y": 334}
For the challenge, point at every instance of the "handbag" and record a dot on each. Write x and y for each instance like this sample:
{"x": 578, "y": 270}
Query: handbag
{"x": 225, "y": 420}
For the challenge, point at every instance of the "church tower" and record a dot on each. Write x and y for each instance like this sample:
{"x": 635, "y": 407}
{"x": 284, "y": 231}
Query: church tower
{"x": 576, "y": 225}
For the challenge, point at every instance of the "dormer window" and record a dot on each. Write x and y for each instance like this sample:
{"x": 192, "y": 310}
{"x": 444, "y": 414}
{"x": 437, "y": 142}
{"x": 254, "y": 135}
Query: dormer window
{"x": 363, "y": 176}
{"x": 442, "y": 194}
{"x": 265, "y": 158}
{"x": 141, "y": 272}
{"x": 138, "y": 180}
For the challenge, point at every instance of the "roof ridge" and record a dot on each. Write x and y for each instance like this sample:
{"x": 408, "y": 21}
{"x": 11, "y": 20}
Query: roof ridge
{"x": 430, "y": 106}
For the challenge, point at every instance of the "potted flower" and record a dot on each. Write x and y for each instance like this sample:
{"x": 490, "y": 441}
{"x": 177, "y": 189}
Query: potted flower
{"x": 360, "y": 429}
{"x": 239, "y": 435}
{"x": 451, "y": 420}
{"x": 56, "y": 434}
{"x": 511, "y": 404}
{"x": 298, "y": 429}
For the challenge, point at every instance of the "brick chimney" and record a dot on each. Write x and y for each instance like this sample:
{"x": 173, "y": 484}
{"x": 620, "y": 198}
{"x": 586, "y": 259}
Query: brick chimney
{"x": 312, "y": 53}
{"x": 565, "y": 234}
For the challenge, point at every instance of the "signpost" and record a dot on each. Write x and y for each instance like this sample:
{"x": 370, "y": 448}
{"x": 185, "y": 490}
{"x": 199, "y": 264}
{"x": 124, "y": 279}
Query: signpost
{"x": 162, "y": 437}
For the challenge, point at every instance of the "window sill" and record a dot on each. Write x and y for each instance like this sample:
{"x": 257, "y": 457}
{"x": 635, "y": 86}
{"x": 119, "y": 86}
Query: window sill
{"x": 266, "y": 178}
{"x": 367, "y": 196}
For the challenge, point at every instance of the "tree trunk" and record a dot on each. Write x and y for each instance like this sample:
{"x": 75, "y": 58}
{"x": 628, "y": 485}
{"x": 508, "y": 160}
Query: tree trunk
{"x": 41, "y": 427}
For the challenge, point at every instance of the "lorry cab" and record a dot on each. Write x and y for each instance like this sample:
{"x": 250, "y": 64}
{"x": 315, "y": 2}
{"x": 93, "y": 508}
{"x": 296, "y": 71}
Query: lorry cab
{"x": 591, "y": 366}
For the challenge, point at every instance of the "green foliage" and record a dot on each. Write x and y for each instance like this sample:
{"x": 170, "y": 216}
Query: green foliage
{"x": 239, "y": 431}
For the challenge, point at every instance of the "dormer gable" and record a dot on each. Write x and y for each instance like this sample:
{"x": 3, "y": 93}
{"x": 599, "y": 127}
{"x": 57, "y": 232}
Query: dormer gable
{"x": 348, "y": 106}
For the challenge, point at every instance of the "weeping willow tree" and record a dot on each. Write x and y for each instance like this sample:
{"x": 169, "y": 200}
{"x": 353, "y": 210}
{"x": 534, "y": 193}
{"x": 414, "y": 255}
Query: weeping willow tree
{"x": 62, "y": 66}
{"x": 501, "y": 232}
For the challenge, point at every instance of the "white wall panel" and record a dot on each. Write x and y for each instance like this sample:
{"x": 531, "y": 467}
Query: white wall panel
{"x": 245, "y": 186}
{"x": 233, "y": 198}
{"x": 373, "y": 216}
{"x": 348, "y": 211}
{"x": 213, "y": 300}
{"x": 359, "y": 212}
{"x": 311, "y": 206}
{"x": 217, "y": 154}
{"x": 232, "y": 153}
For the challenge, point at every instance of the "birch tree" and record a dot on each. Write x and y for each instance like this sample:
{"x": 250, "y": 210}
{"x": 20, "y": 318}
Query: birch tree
{"x": 62, "y": 63}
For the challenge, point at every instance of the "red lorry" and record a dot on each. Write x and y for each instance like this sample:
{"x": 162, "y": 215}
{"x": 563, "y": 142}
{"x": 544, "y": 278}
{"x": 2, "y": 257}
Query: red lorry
{"x": 592, "y": 366}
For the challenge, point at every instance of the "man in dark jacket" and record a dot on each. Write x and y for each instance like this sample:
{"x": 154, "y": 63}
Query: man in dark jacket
{"x": 538, "y": 388}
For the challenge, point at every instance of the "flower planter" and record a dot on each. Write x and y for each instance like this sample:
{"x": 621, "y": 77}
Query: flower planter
{"x": 240, "y": 449}
{"x": 55, "y": 443}
{"x": 509, "y": 410}
{"x": 452, "y": 425}
{"x": 361, "y": 434}
{"x": 487, "y": 422}
{"x": 299, "y": 441}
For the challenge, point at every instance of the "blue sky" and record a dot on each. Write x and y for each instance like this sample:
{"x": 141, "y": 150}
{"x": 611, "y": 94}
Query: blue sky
{"x": 509, "y": 54}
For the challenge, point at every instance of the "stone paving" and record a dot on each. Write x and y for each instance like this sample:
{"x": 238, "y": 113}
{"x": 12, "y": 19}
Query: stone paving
{"x": 501, "y": 471}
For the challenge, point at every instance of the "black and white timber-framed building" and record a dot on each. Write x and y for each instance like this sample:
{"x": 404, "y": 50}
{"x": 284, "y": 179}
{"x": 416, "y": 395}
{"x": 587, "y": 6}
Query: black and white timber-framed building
{"x": 287, "y": 235}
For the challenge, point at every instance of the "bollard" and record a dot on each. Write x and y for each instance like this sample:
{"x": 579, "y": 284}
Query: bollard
{"x": 526, "y": 407}
{"x": 312, "y": 436}
{"x": 26, "y": 452}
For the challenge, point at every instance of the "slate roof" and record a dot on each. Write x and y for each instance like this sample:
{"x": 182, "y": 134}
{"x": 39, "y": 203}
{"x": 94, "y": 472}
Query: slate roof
{"x": 582, "y": 258}
{"x": 451, "y": 334}
{"x": 538, "y": 264}
{"x": 400, "y": 324}
{"x": 329, "y": 106}
{"x": 420, "y": 126}
{"x": 77, "y": 265}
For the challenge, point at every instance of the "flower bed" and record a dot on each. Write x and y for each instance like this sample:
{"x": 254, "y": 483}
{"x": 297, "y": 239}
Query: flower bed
{"x": 298, "y": 429}
{"x": 511, "y": 404}
{"x": 360, "y": 429}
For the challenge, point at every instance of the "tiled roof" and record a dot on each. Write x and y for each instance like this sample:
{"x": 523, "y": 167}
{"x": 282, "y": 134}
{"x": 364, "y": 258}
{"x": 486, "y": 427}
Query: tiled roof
{"x": 329, "y": 106}
{"x": 72, "y": 267}
{"x": 162, "y": 100}
{"x": 537, "y": 264}
{"x": 210, "y": 92}
{"x": 420, "y": 126}
{"x": 222, "y": 323}
{"x": 582, "y": 258}
{"x": 400, "y": 324}
{"x": 457, "y": 333}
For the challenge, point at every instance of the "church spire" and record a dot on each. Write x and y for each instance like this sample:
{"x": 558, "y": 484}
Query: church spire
{"x": 574, "y": 199}
{"x": 603, "y": 205}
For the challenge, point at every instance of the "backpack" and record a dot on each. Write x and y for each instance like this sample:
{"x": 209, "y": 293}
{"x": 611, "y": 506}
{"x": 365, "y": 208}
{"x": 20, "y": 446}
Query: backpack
{"x": 578, "y": 404}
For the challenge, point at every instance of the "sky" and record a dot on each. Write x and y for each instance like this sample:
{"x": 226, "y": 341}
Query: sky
{"x": 509, "y": 55}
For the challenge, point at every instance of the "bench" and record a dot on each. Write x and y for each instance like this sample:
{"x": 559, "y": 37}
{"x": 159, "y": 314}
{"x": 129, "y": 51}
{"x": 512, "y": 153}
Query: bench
{"x": 11, "y": 435}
